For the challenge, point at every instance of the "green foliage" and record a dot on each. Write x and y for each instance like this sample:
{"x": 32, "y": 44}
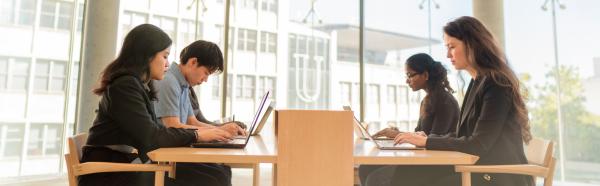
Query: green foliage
{"x": 581, "y": 128}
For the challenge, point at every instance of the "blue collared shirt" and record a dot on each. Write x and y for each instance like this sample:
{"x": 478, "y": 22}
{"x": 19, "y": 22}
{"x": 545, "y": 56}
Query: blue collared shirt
{"x": 173, "y": 95}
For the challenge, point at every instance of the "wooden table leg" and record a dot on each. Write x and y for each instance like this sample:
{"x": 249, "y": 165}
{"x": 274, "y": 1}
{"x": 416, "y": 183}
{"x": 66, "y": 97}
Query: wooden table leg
{"x": 159, "y": 177}
{"x": 466, "y": 179}
{"x": 173, "y": 169}
{"x": 256, "y": 174}
{"x": 274, "y": 172}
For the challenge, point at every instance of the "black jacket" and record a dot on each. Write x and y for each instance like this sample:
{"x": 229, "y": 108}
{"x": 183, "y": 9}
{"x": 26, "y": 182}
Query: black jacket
{"x": 126, "y": 117}
{"x": 441, "y": 114}
{"x": 488, "y": 128}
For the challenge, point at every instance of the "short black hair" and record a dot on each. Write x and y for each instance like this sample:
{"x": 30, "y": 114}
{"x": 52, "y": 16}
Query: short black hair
{"x": 207, "y": 53}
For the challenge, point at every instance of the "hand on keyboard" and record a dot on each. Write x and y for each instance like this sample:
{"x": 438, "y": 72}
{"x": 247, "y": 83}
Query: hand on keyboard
{"x": 233, "y": 128}
{"x": 391, "y": 133}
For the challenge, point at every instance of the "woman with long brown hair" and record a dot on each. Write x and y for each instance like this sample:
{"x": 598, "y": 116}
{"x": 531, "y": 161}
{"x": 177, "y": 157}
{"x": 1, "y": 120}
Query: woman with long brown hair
{"x": 493, "y": 122}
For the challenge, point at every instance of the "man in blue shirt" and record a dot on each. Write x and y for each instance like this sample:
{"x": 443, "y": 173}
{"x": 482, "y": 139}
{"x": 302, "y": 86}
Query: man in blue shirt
{"x": 174, "y": 108}
{"x": 198, "y": 60}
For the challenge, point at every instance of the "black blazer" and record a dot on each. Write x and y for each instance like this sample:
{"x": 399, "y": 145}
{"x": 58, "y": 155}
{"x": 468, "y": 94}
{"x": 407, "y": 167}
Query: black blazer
{"x": 126, "y": 117}
{"x": 440, "y": 116}
{"x": 488, "y": 128}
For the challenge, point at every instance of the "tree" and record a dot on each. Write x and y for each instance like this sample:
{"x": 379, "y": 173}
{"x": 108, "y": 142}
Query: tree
{"x": 581, "y": 128}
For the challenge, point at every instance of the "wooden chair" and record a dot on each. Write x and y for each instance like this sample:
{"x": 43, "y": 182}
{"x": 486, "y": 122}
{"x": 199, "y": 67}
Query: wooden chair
{"x": 75, "y": 168}
{"x": 541, "y": 164}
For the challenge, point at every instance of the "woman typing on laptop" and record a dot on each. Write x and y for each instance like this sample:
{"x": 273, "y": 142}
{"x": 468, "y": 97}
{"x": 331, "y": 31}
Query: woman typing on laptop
{"x": 439, "y": 109}
{"x": 493, "y": 123}
{"x": 126, "y": 120}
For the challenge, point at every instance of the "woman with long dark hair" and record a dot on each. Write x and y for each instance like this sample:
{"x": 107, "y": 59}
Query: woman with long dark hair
{"x": 438, "y": 112}
{"x": 126, "y": 122}
{"x": 493, "y": 121}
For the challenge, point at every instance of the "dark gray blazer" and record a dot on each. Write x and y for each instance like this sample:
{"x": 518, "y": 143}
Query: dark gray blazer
{"x": 126, "y": 117}
{"x": 487, "y": 128}
{"x": 441, "y": 116}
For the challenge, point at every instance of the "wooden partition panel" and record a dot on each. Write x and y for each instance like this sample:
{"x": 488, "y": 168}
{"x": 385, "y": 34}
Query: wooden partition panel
{"x": 314, "y": 147}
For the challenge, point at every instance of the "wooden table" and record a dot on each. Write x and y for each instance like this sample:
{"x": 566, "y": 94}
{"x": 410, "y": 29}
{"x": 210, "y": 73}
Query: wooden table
{"x": 258, "y": 150}
{"x": 365, "y": 152}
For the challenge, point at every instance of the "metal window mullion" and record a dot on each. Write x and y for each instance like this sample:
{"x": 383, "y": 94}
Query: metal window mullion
{"x": 44, "y": 137}
{"x": 3, "y": 131}
{"x": 361, "y": 60}
{"x": 226, "y": 59}
{"x": 67, "y": 88}
{"x": 29, "y": 90}
{"x": 56, "y": 15}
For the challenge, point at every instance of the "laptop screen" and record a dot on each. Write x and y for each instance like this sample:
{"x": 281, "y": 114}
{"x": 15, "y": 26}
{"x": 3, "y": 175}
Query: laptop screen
{"x": 258, "y": 113}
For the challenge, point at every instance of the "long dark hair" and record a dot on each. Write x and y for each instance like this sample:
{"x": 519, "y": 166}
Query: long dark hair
{"x": 438, "y": 75}
{"x": 484, "y": 54}
{"x": 437, "y": 81}
{"x": 139, "y": 47}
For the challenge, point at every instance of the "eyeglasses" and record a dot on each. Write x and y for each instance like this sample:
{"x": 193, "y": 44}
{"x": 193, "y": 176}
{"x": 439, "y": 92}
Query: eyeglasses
{"x": 411, "y": 75}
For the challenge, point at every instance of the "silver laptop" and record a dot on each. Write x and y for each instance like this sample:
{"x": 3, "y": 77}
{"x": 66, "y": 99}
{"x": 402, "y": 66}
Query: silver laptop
{"x": 386, "y": 144}
{"x": 237, "y": 142}
{"x": 357, "y": 130}
{"x": 264, "y": 117}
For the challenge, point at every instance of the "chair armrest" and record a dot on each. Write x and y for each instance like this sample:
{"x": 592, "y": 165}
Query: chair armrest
{"x": 533, "y": 170}
{"x": 98, "y": 167}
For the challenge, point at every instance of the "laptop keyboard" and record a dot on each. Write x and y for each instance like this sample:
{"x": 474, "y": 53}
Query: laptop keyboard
{"x": 390, "y": 143}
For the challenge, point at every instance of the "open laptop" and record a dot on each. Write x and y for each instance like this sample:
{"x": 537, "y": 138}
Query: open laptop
{"x": 357, "y": 130}
{"x": 237, "y": 142}
{"x": 386, "y": 144}
{"x": 264, "y": 117}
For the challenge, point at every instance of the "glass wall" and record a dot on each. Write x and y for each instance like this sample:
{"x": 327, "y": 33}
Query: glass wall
{"x": 307, "y": 54}
{"x": 289, "y": 48}
{"x": 394, "y": 32}
{"x": 39, "y": 58}
{"x": 184, "y": 24}
{"x": 572, "y": 118}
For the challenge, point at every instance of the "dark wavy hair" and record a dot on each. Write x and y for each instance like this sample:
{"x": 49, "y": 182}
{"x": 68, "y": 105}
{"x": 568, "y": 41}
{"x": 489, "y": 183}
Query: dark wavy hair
{"x": 139, "y": 48}
{"x": 208, "y": 54}
{"x": 484, "y": 54}
{"x": 437, "y": 81}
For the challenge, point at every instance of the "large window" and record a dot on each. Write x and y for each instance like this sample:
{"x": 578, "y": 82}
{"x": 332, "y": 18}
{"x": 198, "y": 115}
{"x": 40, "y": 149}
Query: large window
{"x": 26, "y": 12}
{"x": 416, "y": 28}
{"x": 571, "y": 70}
{"x": 50, "y": 76}
{"x": 306, "y": 53}
{"x": 19, "y": 74}
{"x": 56, "y": 14}
{"x": 184, "y": 25}
{"x": 38, "y": 50}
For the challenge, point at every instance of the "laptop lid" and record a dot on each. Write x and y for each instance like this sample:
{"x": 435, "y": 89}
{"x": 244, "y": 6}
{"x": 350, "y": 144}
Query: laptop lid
{"x": 224, "y": 144}
{"x": 367, "y": 133}
{"x": 404, "y": 146}
{"x": 264, "y": 117}
{"x": 257, "y": 115}
{"x": 357, "y": 130}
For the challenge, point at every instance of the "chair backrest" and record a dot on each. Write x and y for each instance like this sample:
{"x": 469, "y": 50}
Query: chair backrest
{"x": 73, "y": 158}
{"x": 76, "y": 144}
{"x": 539, "y": 152}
